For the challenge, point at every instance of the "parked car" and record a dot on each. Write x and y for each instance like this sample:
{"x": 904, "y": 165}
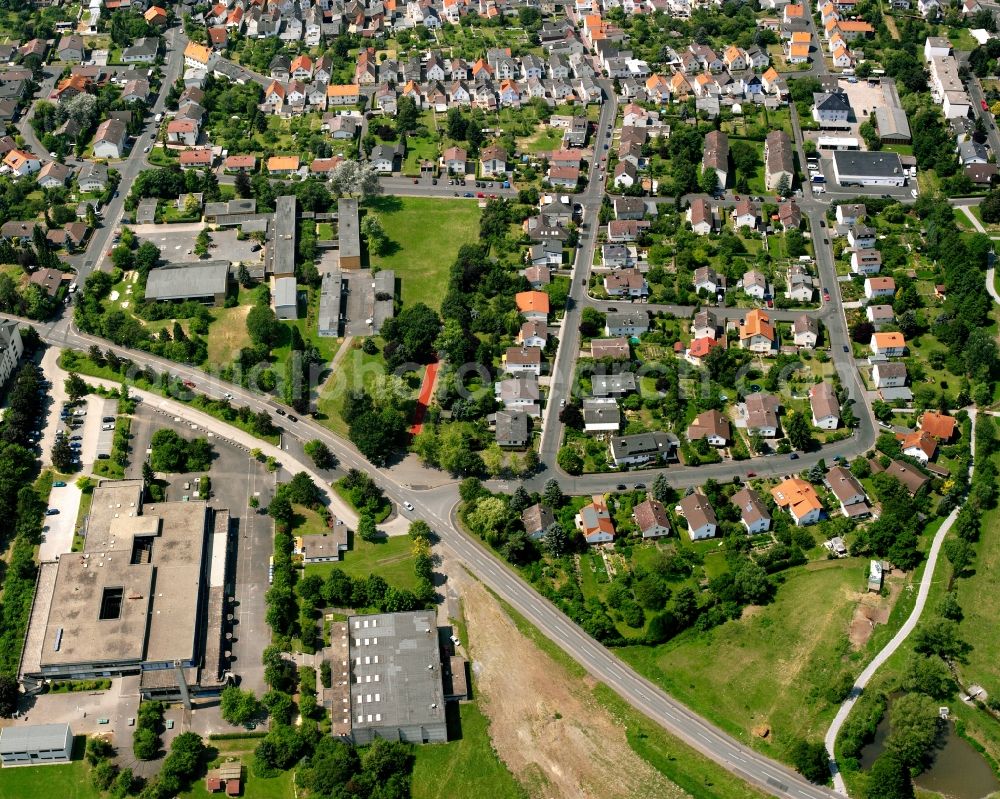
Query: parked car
{"x": 188, "y": 384}
{"x": 58, "y": 484}
{"x": 52, "y": 512}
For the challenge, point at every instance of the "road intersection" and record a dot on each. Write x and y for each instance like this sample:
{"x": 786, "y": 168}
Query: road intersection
{"x": 438, "y": 505}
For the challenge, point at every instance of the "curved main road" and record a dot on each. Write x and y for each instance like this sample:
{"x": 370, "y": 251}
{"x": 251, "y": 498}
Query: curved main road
{"x": 437, "y": 507}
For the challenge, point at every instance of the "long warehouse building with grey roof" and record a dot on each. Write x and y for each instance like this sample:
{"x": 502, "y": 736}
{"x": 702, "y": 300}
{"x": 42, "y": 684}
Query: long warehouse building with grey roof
{"x": 207, "y": 282}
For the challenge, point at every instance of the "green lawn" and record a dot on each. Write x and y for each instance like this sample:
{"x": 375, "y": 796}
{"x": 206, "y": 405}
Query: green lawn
{"x": 464, "y": 769}
{"x": 390, "y": 558}
{"x": 308, "y": 522}
{"x": 980, "y": 601}
{"x": 68, "y": 781}
{"x": 427, "y": 233}
{"x": 227, "y": 334}
{"x": 356, "y": 369}
{"x": 770, "y": 667}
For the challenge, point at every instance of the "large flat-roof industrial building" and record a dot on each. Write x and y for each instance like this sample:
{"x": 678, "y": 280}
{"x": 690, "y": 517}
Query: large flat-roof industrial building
{"x": 859, "y": 168}
{"x": 145, "y": 596}
{"x": 388, "y": 681}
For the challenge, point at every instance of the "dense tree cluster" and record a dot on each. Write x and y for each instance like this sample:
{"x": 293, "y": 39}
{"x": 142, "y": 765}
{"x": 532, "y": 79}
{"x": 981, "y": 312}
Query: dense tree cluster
{"x": 172, "y": 453}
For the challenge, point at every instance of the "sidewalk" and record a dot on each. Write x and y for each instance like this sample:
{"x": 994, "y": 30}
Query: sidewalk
{"x": 222, "y": 430}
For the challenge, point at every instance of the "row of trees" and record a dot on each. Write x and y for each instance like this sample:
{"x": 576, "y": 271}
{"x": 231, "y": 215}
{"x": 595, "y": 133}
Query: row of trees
{"x": 22, "y": 507}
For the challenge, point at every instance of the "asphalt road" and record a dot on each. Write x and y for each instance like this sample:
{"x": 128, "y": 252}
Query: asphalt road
{"x": 95, "y": 255}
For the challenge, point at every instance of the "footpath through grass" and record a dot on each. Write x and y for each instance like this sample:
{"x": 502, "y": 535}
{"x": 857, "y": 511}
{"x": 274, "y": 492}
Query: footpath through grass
{"x": 464, "y": 769}
{"x": 426, "y": 234}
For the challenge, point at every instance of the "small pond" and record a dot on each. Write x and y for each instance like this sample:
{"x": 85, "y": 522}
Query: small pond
{"x": 958, "y": 770}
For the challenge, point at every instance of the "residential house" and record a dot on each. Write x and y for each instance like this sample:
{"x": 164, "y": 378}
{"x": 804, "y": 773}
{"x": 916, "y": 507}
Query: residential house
{"x": 601, "y": 415}
{"x": 615, "y": 349}
{"x": 627, "y": 323}
{"x": 825, "y": 407}
{"x": 757, "y": 334}
{"x": 805, "y": 331}
{"x": 20, "y": 163}
{"x": 866, "y": 262}
{"x": 799, "y": 499}
{"x": 849, "y": 493}
{"x": 755, "y": 284}
{"x": 143, "y": 51}
{"x": 533, "y": 305}
{"x": 493, "y": 162}
{"x": 616, "y": 384}
{"x": 641, "y": 448}
{"x": 707, "y": 279}
{"x": 53, "y": 175}
{"x": 520, "y": 393}
{"x": 533, "y": 334}
{"x": 455, "y": 160}
{"x": 385, "y": 158}
{"x": 880, "y": 315}
{"x": 939, "y": 425}
{"x": 879, "y": 287}
{"x": 283, "y": 164}
{"x": 745, "y": 214}
{"x": 594, "y": 521}
{"x": 536, "y": 520}
{"x": 342, "y": 94}
{"x": 920, "y": 445}
{"x": 778, "y": 160}
{"x": 182, "y": 131}
{"x": 831, "y": 109}
{"x": 626, "y": 283}
{"x": 888, "y": 345}
{"x": 93, "y": 177}
{"x": 511, "y": 428}
{"x": 711, "y": 426}
{"x": 861, "y": 237}
{"x": 889, "y": 375}
{"x": 705, "y": 324}
{"x": 716, "y": 155}
{"x": 700, "y": 215}
{"x": 699, "y": 515}
{"x": 109, "y": 141}
{"x": 910, "y": 476}
{"x": 71, "y": 48}
{"x": 523, "y": 360}
{"x": 753, "y": 512}
{"x": 651, "y": 519}
{"x": 762, "y": 414}
{"x": 849, "y": 214}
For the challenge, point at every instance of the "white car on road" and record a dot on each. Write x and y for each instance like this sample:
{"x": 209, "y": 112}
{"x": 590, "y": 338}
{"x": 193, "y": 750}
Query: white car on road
{"x": 408, "y": 505}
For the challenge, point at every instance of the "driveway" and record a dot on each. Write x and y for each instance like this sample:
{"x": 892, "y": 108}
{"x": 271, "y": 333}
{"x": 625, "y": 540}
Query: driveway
{"x": 58, "y": 539}
{"x": 56, "y": 398}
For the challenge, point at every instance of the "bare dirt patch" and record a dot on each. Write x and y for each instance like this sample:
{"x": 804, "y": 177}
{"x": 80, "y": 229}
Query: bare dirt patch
{"x": 545, "y": 725}
{"x": 872, "y": 609}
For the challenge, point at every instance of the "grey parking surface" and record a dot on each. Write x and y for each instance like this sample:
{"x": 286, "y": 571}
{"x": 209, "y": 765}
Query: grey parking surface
{"x": 58, "y": 538}
{"x": 235, "y": 478}
{"x": 176, "y": 243}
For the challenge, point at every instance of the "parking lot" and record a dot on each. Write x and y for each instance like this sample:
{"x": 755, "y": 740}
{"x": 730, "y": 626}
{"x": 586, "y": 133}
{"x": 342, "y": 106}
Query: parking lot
{"x": 235, "y": 478}
{"x": 58, "y": 538}
{"x": 176, "y": 243}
